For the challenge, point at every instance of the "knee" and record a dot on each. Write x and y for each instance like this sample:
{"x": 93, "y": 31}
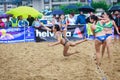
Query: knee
{"x": 108, "y": 45}
{"x": 65, "y": 54}
{"x": 73, "y": 44}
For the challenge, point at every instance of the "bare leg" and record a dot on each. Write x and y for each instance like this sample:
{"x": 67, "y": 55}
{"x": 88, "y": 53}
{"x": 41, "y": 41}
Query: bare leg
{"x": 103, "y": 48}
{"x": 66, "y": 47}
{"x": 108, "y": 45}
{"x": 115, "y": 39}
{"x": 97, "y": 48}
{"x": 65, "y": 51}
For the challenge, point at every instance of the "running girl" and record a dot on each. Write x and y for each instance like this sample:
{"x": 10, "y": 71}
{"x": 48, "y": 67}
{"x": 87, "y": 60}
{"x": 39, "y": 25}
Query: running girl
{"x": 100, "y": 36}
{"x": 109, "y": 23}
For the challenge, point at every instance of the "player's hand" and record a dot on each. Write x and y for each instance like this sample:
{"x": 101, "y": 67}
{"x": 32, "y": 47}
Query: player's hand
{"x": 119, "y": 33}
{"x": 49, "y": 45}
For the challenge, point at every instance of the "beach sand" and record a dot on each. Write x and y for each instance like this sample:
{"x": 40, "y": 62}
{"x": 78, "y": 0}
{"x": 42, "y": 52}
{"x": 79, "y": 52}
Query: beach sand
{"x": 37, "y": 61}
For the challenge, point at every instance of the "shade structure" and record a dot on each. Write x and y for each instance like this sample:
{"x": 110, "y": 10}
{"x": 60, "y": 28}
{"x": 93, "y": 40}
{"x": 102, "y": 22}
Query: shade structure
{"x": 71, "y": 6}
{"x": 24, "y": 11}
{"x": 86, "y": 8}
{"x": 3, "y": 16}
{"x": 114, "y": 8}
{"x": 57, "y": 12}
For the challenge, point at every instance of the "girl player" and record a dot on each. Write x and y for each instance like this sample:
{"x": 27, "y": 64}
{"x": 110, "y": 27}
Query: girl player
{"x": 61, "y": 40}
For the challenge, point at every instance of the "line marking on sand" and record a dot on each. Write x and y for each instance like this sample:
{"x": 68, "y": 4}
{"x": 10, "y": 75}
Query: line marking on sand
{"x": 99, "y": 70}
{"x": 103, "y": 75}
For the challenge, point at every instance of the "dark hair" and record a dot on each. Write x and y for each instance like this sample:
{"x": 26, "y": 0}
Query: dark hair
{"x": 57, "y": 27}
{"x": 94, "y": 17}
{"x": 109, "y": 15}
{"x": 72, "y": 13}
{"x": 102, "y": 13}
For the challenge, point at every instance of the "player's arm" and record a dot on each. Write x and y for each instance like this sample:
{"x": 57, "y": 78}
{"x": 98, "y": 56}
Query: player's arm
{"x": 45, "y": 27}
{"x": 58, "y": 41}
{"x": 92, "y": 29}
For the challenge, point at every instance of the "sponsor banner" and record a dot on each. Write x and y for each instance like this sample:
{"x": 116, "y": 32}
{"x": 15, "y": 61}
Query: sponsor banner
{"x": 12, "y": 35}
{"x": 29, "y": 34}
{"x": 74, "y": 32}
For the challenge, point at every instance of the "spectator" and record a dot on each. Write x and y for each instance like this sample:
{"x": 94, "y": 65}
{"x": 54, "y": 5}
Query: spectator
{"x": 22, "y": 22}
{"x": 53, "y": 19}
{"x": 30, "y": 19}
{"x": 63, "y": 25}
{"x": 81, "y": 18}
{"x": 26, "y": 23}
{"x": 117, "y": 21}
{"x": 18, "y": 18}
{"x": 8, "y": 23}
{"x": 14, "y": 22}
{"x": 56, "y": 19}
{"x": 88, "y": 18}
{"x": 71, "y": 19}
{"x": 38, "y": 25}
{"x": 2, "y": 24}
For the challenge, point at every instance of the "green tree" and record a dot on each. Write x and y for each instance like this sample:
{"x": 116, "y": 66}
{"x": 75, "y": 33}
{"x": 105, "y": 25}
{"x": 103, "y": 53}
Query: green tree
{"x": 68, "y": 11}
{"x": 79, "y": 4}
{"x": 101, "y": 4}
{"x": 118, "y": 3}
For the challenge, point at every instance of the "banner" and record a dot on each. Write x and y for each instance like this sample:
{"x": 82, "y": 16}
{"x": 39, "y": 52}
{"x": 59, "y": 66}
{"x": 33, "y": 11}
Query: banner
{"x": 12, "y": 35}
{"x": 74, "y": 32}
{"x": 29, "y": 34}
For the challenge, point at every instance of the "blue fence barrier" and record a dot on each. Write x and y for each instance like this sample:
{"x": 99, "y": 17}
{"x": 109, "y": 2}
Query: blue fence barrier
{"x": 12, "y": 35}
{"x": 74, "y": 32}
{"x": 30, "y": 34}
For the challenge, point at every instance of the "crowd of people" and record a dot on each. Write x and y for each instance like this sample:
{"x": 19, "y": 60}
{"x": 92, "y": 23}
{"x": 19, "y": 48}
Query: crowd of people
{"x": 101, "y": 27}
{"x": 20, "y": 22}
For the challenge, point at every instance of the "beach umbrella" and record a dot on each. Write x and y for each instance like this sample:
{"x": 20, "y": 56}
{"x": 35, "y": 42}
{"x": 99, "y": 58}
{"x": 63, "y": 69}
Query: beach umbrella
{"x": 57, "y": 12}
{"x": 5, "y": 16}
{"x": 24, "y": 11}
{"x": 71, "y": 6}
{"x": 114, "y": 8}
{"x": 86, "y": 8}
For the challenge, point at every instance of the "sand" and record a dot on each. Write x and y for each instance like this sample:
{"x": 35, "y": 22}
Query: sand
{"x": 37, "y": 61}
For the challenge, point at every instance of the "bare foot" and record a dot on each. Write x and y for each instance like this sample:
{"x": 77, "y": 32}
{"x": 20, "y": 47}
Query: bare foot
{"x": 77, "y": 52}
{"x": 69, "y": 54}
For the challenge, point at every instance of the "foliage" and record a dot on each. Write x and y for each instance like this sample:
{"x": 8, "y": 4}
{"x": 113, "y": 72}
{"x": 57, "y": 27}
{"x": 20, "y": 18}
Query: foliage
{"x": 118, "y": 3}
{"x": 79, "y": 4}
{"x": 101, "y": 4}
{"x": 68, "y": 11}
